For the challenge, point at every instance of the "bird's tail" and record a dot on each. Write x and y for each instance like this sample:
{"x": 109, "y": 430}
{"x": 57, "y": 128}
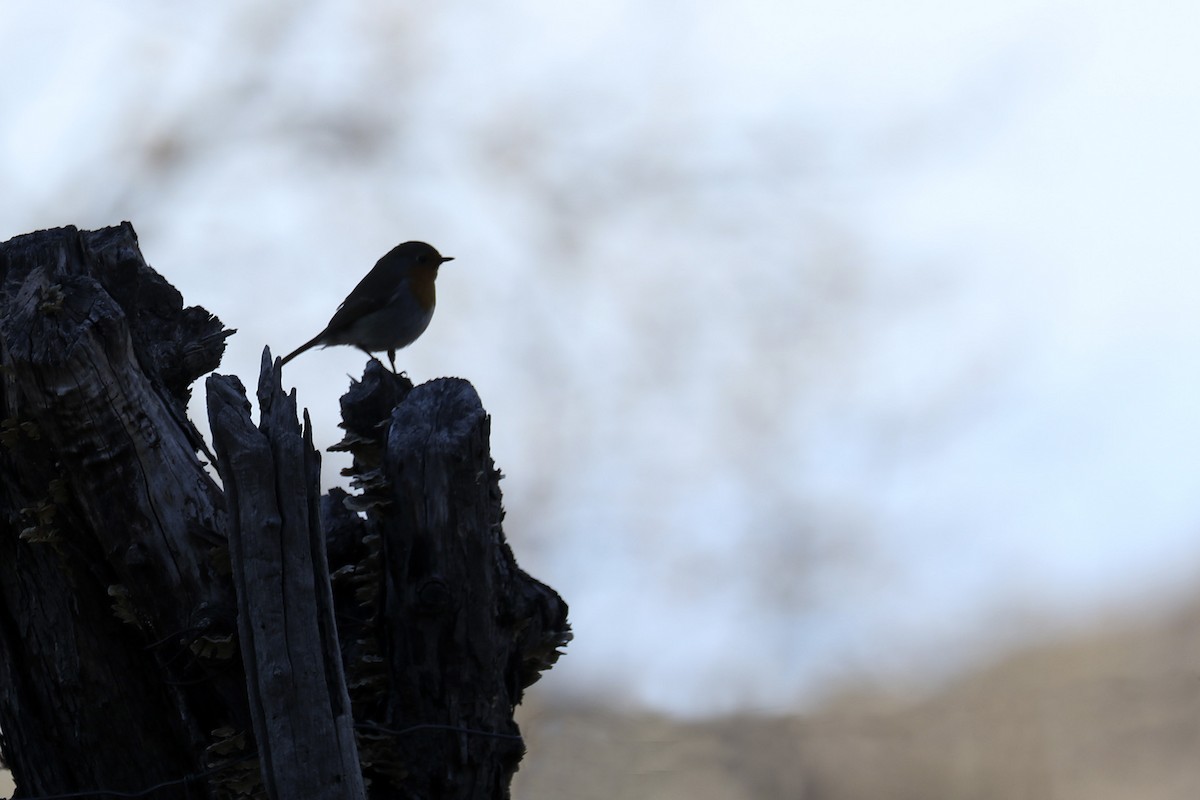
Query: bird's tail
{"x": 316, "y": 340}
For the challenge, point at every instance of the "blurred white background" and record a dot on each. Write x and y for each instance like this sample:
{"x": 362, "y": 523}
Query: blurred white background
{"x": 823, "y": 342}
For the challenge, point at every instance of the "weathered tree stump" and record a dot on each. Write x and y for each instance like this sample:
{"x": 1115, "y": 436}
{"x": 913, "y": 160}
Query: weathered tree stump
{"x": 157, "y": 629}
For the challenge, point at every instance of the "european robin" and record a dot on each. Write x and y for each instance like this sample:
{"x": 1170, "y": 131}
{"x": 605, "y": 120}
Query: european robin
{"x": 389, "y": 308}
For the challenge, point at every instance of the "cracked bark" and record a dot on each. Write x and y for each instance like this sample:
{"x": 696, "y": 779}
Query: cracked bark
{"x": 383, "y": 651}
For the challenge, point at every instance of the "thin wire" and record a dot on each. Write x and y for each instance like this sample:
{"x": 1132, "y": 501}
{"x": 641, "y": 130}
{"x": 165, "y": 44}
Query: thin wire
{"x": 142, "y": 793}
{"x": 438, "y": 727}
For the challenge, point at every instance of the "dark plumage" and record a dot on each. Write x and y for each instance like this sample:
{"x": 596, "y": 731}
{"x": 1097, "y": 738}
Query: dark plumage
{"x": 389, "y": 308}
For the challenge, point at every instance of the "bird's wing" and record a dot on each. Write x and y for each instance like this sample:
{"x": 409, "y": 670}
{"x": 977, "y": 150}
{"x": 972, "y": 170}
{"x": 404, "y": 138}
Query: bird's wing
{"x": 373, "y": 293}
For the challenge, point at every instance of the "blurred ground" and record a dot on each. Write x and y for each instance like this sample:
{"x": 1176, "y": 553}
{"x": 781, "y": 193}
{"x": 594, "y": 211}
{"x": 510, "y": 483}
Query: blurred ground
{"x": 1112, "y": 715}
{"x": 1108, "y": 716}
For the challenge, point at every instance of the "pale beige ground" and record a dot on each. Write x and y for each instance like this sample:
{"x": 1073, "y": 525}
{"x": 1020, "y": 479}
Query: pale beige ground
{"x": 1114, "y": 715}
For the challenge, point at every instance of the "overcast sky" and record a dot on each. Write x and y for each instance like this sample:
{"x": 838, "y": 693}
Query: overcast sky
{"x": 821, "y": 341}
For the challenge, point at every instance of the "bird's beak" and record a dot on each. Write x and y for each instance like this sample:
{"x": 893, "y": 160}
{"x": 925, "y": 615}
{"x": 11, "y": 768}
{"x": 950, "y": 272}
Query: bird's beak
{"x": 447, "y": 258}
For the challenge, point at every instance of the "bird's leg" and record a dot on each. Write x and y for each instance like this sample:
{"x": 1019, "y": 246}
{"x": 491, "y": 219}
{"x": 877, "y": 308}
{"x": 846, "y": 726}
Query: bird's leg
{"x": 392, "y": 359}
{"x": 370, "y": 355}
